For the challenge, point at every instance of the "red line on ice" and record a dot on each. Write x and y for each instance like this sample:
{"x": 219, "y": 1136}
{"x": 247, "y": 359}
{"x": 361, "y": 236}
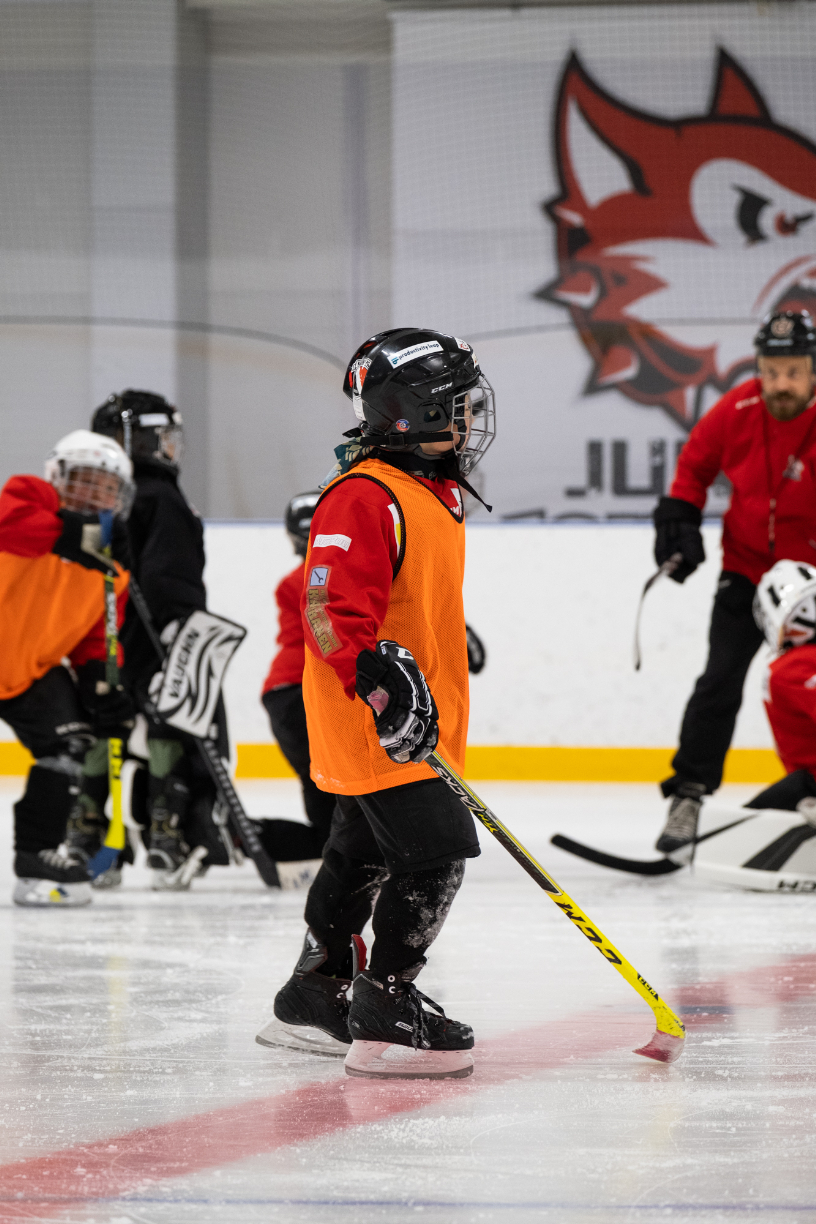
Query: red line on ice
{"x": 112, "y": 1167}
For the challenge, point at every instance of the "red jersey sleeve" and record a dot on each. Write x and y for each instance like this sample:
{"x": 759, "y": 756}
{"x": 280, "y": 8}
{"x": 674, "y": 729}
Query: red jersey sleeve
{"x": 93, "y": 645}
{"x": 701, "y": 457}
{"x": 348, "y": 581}
{"x": 287, "y": 665}
{"x": 29, "y": 523}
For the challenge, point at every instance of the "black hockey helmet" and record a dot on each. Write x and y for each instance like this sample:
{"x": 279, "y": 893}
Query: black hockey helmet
{"x": 786, "y": 333}
{"x": 411, "y": 385}
{"x": 299, "y": 514}
{"x": 144, "y": 425}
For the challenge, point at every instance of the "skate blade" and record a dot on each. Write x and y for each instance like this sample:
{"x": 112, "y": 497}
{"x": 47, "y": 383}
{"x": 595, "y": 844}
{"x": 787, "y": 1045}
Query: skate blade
{"x": 48, "y": 894}
{"x": 382, "y": 1060}
{"x": 298, "y": 874}
{"x": 301, "y": 1037}
{"x": 112, "y": 878}
{"x": 662, "y": 1047}
{"x": 180, "y": 879}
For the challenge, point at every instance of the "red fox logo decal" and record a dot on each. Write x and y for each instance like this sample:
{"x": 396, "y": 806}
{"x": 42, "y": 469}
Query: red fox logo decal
{"x": 699, "y": 221}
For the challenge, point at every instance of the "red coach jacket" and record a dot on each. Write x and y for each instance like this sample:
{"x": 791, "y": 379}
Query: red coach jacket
{"x": 772, "y": 467}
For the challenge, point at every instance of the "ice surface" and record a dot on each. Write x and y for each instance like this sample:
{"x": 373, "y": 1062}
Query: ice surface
{"x": 132, "y": 1091}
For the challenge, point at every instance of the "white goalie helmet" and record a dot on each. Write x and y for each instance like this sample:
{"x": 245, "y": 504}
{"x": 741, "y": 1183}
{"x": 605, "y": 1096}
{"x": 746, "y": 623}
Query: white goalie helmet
{"x": 91, "y": 473}
{"x": 785, "y": 604}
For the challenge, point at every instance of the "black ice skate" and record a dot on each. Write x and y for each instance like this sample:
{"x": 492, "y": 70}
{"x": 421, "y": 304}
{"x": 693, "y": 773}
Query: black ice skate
{"x": 84, "y": 838}
{"x": 173, "y": 864}
{"x": 396, "y": 1038}
{"x": 49, "y": 879}
{"x": 311, "y": 1010}
{"x": 680, "y": 833}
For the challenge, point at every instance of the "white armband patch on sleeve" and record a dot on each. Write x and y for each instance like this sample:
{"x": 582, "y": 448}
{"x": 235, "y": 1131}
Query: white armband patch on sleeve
{"x": 332, "y": 541}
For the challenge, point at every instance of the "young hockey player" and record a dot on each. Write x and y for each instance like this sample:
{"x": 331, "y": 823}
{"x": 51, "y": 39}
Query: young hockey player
{"x": 52, "y": 608}
{"x": 785, "y": 609}
{"x": 385, "y": 679}
{"x": 762, "y": 435}
{"x": 166, "y": 540}
{"x": 282, "y": 697}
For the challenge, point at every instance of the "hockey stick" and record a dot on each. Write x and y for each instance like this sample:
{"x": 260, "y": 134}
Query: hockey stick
{"x": 667, "y": 568}
{"x": 644, "y": 867}
{"x": 108, "y": 853}
{"x": 653, "y": 867}
{"x": 666, "y": 1043}
{"x": 241, "y": 823}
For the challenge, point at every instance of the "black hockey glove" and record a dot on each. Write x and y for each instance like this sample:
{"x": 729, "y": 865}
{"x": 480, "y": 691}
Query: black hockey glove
{"x": 677, "y": 524}
{"x": 477, "y": 655}
{"x": 111, "y": 710}
{"x": 405, "y": 713}
{"x": 81, "y": 541}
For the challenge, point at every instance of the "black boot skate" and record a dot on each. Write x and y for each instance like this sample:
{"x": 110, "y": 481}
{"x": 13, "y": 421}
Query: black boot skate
{"x": 49, "y": 879}
{"x": 311, "y": 1010}
{"x": 84, "y": 838}
{"x": 173, "y": 864}
{"x": 680, "y": 832}
{"x": 396, "y": 1038}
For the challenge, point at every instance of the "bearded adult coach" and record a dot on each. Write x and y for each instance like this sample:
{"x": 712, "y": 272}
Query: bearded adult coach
{"x": 762, "y": 435}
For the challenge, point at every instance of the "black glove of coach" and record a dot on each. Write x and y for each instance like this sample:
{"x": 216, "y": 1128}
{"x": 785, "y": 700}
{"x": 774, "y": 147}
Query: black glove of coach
{"x": 111, "y": 710}
{"x": 677, "y": 524}
{"x": 405, "y": 713}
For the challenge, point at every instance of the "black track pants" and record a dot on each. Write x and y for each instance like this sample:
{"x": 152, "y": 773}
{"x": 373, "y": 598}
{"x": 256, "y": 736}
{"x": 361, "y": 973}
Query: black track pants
{"x": 708, "y": 723}
{"x": 408, "y": 910}
{"x": 286, "y": 840}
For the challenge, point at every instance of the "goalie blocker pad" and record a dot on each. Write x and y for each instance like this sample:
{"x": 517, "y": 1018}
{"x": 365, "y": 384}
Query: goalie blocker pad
{"x": 194, "y": 672}
{"x": 763, "y": 851}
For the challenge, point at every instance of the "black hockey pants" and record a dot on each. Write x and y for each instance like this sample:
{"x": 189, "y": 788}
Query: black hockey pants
{"x": 286, "y": 840}
{"x": 50, "y": 722}
{"x": 708, "y": 723}
{"x": 398, "y": 856}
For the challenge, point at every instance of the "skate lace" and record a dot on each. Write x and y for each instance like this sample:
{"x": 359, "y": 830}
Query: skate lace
{"x": 55, "y": 858}
{"x": 683, "y": 817}
{"x": 415, "y": 998}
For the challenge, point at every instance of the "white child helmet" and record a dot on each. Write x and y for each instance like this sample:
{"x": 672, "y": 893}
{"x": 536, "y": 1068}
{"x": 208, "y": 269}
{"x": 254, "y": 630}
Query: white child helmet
{"x": 84, "y": 452}
{"x": 785, "y": 604}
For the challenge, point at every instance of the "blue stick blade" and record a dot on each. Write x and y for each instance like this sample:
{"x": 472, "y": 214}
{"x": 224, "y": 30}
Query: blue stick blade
{"x": 104, "y": 858}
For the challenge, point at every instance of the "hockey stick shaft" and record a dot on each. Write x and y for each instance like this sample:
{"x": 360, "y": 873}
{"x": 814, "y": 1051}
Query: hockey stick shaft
{"x": 667, "y": 1022}
{"x": 667, "y": 568}
{"x": 241, "y": 823}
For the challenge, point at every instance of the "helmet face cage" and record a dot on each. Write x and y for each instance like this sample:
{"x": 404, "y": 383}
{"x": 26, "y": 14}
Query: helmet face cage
{"x": 785, "y": 604}
{"x": 473, "y": 418}
{"x": 90, "y": 489}
{"x": 154, "y": 435}
{"x": 91, "y": 473}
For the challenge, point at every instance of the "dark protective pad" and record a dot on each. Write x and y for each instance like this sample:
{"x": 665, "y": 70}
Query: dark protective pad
{"x": 406, "y": 828}
{"x": 287, "y": 717}
{"x": 41, "y": 815}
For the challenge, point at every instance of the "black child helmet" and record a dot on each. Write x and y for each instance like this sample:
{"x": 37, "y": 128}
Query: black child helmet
{"x": 144, "y": 425}
{"x": 411, "y": 385}
{"x": 299, "y": 514}
{"x": 787, "y": 333}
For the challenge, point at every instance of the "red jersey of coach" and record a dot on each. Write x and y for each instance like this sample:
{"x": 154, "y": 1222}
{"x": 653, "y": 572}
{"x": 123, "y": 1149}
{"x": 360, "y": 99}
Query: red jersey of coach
{"x": 772, "y": 467}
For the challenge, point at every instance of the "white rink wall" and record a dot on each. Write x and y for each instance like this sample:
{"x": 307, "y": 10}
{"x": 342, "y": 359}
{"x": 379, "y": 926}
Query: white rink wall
{"x": 555, "y": 605}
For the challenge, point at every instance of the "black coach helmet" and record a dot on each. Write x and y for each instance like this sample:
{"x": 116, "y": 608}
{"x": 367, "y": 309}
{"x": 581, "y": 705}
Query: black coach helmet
{"x": 144, "y": 425}
{"x": 410, "y": 385}
{"x": 298, "y": 520}
{"x": 786, "y": 333}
